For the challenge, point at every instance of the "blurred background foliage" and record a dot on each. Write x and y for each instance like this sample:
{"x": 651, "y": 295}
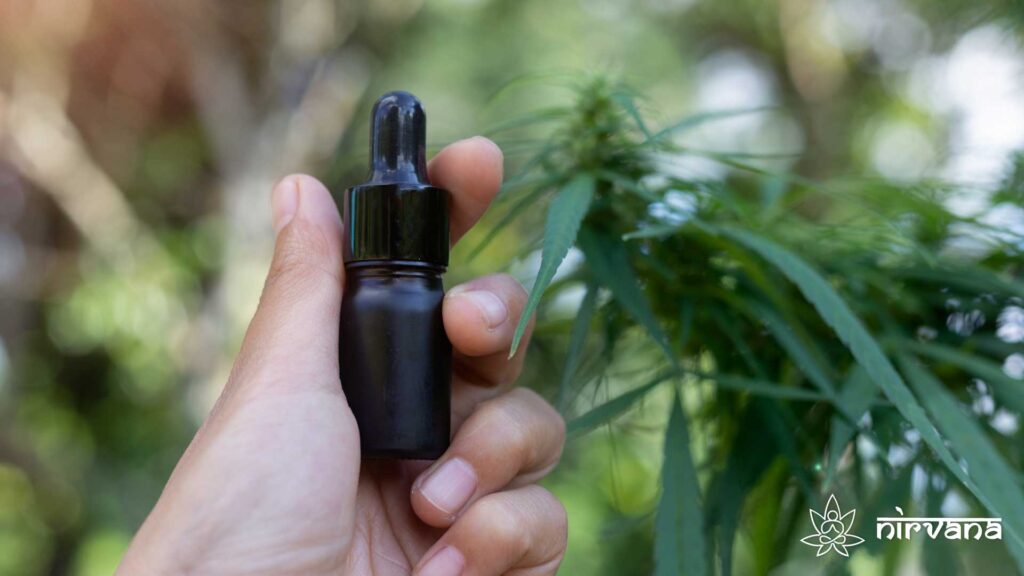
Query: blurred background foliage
{"x": 859, "y": 152}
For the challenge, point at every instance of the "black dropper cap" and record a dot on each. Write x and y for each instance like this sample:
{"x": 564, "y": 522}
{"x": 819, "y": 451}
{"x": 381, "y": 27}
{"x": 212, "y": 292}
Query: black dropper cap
{"x": 397, "y": 214}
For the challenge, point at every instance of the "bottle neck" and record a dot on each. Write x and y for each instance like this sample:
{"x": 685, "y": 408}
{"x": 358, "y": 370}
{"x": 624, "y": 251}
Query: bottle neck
{"x": 396, "y": 222}
{"x": 408, "y": 268}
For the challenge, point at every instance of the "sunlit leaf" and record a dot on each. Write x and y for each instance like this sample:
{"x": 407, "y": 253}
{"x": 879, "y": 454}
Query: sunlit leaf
{"x": 564, "y": 218}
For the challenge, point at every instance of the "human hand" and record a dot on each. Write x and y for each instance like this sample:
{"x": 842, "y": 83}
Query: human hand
{"x": 272, "y": 483}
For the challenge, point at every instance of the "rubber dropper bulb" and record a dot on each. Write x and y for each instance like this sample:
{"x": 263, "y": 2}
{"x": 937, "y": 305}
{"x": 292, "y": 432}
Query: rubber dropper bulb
{"x": 398, "y": 148}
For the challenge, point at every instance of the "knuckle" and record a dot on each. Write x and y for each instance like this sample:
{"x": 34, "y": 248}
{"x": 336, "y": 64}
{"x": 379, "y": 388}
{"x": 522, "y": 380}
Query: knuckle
{"x": 552, "y": 428}
{"x": 501, "y": 415}
{"x": 534, "y": 401}
{"x": 501, "y": 521}
{"x": 531, "y": 430}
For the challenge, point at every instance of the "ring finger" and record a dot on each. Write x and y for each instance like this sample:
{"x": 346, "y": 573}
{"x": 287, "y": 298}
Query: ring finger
{"x": 514, "y": 439}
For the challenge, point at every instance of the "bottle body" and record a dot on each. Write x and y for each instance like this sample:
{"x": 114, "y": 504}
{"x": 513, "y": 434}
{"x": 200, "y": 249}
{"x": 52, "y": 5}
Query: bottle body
{"x": 396, "y": 359}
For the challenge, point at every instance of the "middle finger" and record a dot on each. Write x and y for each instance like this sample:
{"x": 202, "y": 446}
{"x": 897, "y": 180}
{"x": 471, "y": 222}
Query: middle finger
{"x": 480, "y": 317}
{"x": 516, "y": 439}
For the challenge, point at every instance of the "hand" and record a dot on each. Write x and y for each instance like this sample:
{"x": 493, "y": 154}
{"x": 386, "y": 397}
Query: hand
{"x": 272, "y": 483}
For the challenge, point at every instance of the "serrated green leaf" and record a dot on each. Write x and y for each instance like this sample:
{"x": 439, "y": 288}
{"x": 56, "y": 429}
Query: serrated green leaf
{"x": 728, "y": 326}
{"x": 613, "y": 408}
{"x": 608, "y": 260}
{"x": 1009, "y": 391}
{"x": 577, "y": 339}
{"x": 522, "y": 203}
{"x": 782, "y": 425}
{"x": 763, "y": 388}
{"x": 851, "y": 332}
{"x": 629, "y": 105}
{"x": 751, "y": 454}
{"x": 803, "y": 353}
{"x": 973, "y": 278}
{"x": 857, "y": 395}
{"x": 679, "y": 548}
{"x": 563, "y": 223}
{"x": 992, "y": 480}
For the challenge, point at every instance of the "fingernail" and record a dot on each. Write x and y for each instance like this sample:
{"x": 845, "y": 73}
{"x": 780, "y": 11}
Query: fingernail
{"x": 284, "y": 202}
{"x": 448, "y": 561}
{"x": 450, "y": 486}
{"x": 491, "y": 307}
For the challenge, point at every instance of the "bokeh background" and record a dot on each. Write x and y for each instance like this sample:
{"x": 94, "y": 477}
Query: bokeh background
{"x": 139, "y": 140}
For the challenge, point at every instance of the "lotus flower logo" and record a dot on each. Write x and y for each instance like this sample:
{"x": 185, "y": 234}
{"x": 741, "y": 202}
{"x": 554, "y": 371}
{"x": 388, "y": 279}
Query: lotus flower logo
{"x": 832, "y": 530}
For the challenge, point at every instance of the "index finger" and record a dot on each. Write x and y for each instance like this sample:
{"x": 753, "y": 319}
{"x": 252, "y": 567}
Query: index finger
{"x": 471, "y": 170}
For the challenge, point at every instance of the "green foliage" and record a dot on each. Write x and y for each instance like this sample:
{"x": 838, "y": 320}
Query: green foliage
{"x": 610, "y": 410}
{"x": 564, "y": 218}
{"x": 608, "y": 260}
{"x": 679, "y": 545}
{"x": 990, "y": 477}
{"x": 577, "y": 340}
{"x": 780, "y": 323}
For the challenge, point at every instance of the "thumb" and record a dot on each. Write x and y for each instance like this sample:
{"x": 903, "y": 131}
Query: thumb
{"x": 295, "y": 329}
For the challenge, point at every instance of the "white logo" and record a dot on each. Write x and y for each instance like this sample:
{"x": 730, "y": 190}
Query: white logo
{"x": 900, "y": 528}
{"x": 832, "y": 530}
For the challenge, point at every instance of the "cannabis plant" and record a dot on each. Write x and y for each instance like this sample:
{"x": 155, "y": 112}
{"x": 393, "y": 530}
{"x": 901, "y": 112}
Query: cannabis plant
{"x": 809, "y": 331}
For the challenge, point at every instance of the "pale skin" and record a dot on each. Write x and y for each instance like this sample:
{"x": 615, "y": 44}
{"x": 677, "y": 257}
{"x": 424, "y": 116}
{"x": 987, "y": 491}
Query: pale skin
{"x": 273, "y": 482}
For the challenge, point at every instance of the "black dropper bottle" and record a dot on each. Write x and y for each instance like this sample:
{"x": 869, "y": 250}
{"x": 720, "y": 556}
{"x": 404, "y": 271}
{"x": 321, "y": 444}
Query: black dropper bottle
{"x": 395, "y": 356}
